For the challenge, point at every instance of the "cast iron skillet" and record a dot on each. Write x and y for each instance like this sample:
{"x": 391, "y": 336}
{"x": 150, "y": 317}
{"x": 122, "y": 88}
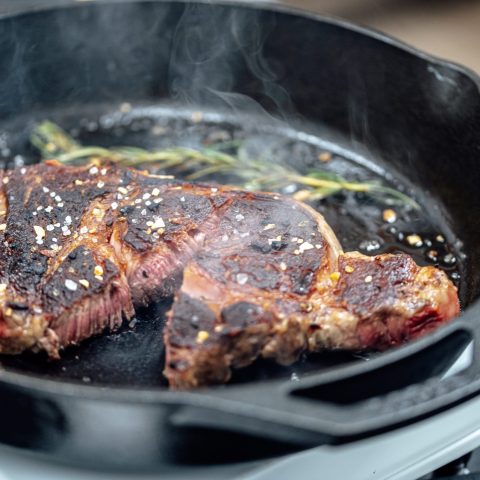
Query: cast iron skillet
{"x": 380, "y": 106}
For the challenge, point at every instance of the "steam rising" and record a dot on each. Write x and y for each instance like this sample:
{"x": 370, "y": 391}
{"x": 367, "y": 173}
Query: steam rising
{"x": 213, "y": 69}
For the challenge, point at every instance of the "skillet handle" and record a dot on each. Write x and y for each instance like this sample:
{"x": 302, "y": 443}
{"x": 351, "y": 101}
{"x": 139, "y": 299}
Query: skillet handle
{"x": 395, "y": 389}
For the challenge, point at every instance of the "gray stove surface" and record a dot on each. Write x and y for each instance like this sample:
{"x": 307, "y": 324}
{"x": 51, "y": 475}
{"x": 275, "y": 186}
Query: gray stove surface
{"x": 405, "y": 454}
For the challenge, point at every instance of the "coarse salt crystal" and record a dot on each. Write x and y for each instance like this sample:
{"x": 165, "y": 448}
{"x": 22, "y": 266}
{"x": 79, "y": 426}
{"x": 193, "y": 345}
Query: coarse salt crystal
{"x": 242, "y": 278}
{"x": 158, "y": 223}
{"x": 39, "y": 231}
{"x": 305, "y": 246}
{"x": 70, "y": 284}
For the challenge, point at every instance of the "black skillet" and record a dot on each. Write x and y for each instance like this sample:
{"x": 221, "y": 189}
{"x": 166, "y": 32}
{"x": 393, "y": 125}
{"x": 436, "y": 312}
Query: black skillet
{"x": 138, "y": 73}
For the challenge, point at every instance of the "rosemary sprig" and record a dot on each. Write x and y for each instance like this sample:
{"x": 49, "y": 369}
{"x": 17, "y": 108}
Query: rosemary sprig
{"x": 54, "y": 142}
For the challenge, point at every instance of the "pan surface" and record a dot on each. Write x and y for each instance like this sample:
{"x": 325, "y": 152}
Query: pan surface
{"x": 289, "y": 87}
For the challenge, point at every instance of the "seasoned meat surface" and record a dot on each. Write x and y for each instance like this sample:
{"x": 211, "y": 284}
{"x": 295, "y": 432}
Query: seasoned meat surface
{"x": 252, "y": 274}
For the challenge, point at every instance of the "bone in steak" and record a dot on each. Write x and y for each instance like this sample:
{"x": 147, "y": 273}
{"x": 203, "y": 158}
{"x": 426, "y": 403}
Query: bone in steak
{"x": 253, "y": 274}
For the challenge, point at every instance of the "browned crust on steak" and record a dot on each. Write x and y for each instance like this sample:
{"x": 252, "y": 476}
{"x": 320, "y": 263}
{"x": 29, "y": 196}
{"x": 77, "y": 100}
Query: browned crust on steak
{"x": 379, "y": 302}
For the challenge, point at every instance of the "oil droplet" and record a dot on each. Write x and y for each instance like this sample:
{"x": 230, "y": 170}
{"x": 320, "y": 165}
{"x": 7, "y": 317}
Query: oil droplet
{"x": 449, "y": 259}
{"x": 369, "y": 245}
{"x": 18, "y": 161}
{"x": 92, "y": 126}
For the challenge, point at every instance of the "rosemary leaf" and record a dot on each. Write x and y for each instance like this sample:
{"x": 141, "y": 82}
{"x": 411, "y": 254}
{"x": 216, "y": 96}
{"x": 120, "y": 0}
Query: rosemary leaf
{"x": 221, "y": 158}
{"x": 324, "y": 175}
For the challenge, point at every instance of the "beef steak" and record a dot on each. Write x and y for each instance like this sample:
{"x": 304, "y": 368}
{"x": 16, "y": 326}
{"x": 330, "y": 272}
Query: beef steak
{"x": 252, "y": 274}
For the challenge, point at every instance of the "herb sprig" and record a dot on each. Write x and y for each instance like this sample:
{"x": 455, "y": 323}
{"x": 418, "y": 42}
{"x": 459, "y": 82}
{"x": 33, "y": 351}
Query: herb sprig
{"x": 53, "y": 142}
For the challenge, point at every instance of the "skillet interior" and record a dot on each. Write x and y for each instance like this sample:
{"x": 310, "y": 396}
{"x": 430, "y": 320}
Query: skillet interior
{"x": 390, "y": 111}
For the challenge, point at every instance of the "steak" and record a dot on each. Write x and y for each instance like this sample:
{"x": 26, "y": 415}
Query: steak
{"x": 252, "y": 274}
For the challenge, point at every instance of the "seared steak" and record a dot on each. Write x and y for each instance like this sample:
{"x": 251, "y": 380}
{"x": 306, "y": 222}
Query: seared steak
{"x": 272, "y": 281}
{"x": 253, "y": 274}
